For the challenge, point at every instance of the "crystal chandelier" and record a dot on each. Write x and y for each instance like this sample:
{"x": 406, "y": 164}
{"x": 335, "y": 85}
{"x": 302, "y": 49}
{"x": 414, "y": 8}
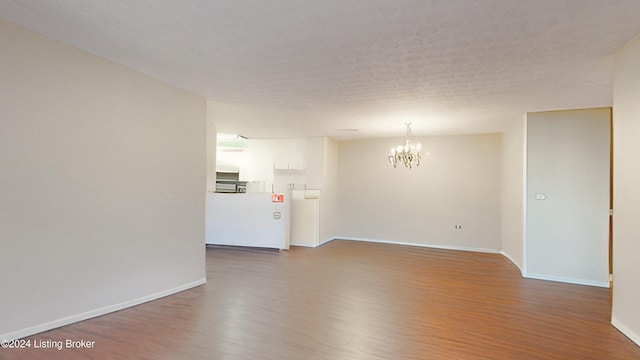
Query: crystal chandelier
{"x": 407, "y": 154}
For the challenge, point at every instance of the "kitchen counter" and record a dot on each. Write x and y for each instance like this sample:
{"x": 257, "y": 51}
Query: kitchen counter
{"x": 249, "y": 219}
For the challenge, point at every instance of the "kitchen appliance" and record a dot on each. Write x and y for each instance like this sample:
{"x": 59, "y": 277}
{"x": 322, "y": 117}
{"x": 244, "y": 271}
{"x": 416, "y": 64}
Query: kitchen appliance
{"x": 228, "y": 182}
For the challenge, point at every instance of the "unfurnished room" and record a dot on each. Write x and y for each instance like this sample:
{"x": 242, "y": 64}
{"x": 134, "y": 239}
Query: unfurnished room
{"x": 284, "y": 179}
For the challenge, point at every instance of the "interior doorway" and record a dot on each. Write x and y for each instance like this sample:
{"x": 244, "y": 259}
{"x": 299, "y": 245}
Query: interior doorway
{"x": 610, "y": 198}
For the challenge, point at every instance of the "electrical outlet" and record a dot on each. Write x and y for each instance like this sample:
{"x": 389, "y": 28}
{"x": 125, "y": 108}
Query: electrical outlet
{"x": 459, "y": 227}
{"x": 276, "y": 215}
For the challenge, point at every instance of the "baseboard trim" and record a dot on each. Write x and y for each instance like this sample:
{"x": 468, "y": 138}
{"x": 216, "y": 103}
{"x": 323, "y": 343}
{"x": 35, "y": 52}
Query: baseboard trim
{"x": 512, "y": 261}
{"x": 18, "y": 334}
{"x": 625, "y": 330}
{"x": 302, "y": 245}
{"x": 444, "y": 247}
{"x": 326, "y": 241}
{"x": 603, "y": 284}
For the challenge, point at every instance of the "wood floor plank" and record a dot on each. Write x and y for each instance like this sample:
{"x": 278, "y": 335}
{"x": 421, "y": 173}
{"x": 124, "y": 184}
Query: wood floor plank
{"x": 355, "y": 300}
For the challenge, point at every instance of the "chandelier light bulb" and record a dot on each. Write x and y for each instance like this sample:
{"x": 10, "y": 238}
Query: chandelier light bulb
{"x": 408, "y": 155}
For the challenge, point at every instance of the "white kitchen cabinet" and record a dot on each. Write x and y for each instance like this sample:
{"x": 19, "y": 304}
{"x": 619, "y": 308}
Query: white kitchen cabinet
{"x": 266, "y": 156}
{"x": 288, "y": 153}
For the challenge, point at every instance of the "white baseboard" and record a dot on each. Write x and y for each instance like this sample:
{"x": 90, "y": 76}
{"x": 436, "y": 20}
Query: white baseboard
{"x": 326, "y": 241}
{"x": 482, "y": 250}
{"x": 625, "y": 330}
{"x": 445, "y": 247}
{"x": 302, "y": 245}
{"x": 604, "y": 284}
{"x": 18, "y": 334}
{"x": 512, "y": 261}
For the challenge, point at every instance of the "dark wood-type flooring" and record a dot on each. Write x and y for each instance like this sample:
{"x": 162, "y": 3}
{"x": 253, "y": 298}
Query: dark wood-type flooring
{"x": 355, "y": 300}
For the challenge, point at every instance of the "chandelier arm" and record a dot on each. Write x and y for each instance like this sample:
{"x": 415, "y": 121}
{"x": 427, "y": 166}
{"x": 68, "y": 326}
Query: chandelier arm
{"x": 408, "y": 155}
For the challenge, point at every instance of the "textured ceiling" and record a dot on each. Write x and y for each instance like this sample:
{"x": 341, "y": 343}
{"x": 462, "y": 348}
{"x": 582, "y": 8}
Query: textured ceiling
{"x": 296, "y": 67}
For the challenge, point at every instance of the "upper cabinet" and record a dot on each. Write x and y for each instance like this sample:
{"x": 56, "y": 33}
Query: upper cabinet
{"x": 288, "y": 153}
{"x": 296, "y": 161}
{"x": 263, "y": 156}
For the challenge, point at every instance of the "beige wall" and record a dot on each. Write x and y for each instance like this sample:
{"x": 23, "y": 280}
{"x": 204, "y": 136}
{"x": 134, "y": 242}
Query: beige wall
{"x": 567, "y": 233}
{"x": 212, "y": 148}
{"x": 273, "y": 124}
{"x": 313, "y": 161}
{"x": 513, "y": 191}
{"x": 626, "y": 227}
{"x": 458, "y": 183}
{"x": 102, "y": 181}
{"x": 329, "y": 196}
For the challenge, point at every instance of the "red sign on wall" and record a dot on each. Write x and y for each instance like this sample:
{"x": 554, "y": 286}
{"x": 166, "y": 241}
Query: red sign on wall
{"x": 277, "y": 197}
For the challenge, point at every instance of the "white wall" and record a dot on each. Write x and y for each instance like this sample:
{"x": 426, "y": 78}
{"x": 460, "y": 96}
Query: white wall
{"x": 314, "y": 161}
{"x": 329, "y": 209}
{"x": 273, "y": 124}
{"x": 513, "y": 192}
{"x": 626, "y": 227}
{"x": 568, "y": 161}
{"x": 102, "y": 181}
{"x": 212, "y": 148}
{"x": 458, "y": 183}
